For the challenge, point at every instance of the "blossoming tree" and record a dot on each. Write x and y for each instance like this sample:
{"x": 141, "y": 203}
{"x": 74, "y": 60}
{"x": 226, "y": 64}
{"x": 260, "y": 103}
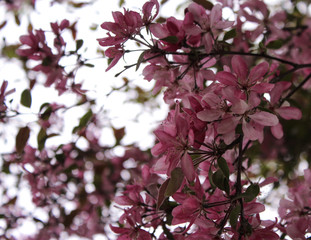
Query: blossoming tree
{"x": 238, "y": 90}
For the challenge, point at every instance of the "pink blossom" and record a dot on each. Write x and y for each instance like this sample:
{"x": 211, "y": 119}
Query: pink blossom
{"x": 38, "y": 50}
{"x": 175, "y": 137}
{"x": 171, "y": 34}
{"x": 147, "y": 11}
{"x": 244, "y": 79}
{"x": 115, "y": 53}
{"x": 295, "y": 211}
{"x": 124, "y": 27}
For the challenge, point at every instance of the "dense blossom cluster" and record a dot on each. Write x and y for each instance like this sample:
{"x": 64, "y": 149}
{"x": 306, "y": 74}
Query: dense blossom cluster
{"x": 230, "y": 90}
{"x": 215, "y": 113}
{"x": 49, "y": 59}
{"x": 295, "y": 211}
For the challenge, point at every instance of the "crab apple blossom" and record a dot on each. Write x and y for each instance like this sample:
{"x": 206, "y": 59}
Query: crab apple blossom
{"x": 235, "y": 78}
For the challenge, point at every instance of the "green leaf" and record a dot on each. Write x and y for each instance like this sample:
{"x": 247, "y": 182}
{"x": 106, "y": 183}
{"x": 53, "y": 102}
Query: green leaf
{"x": 206, "y": 4}
{"x": 3, "y": 24}
{"x": 171, "y": 39}
{"x": 210, "y": 178}
{"x": 88, "y": 65}
{"x": 10, "y": 50}
{"x": 234, "y": 215}
{"x": 79, "y": 44}
{"x": 17, "y": 20}
{"x": 140, "y": 60}
{"x": 218, "y": 179}
{"x": 47, "y": 111}
{"x": 118, "y": 133}
{"x": 85, "y": 118}
{"x": 177, "y": 177}
{"x": 276, "y": 44}
{"x": 26, "y": 98}
{"x": 230, "y": 34}
{"x": 121, "y": 3}
{"x": 21, "y": 139}
{"x": 221, "y": 181}
{"x": 222, "y": 163}
{"x": 41, "y": 139}
{"x": 251, "y": 192}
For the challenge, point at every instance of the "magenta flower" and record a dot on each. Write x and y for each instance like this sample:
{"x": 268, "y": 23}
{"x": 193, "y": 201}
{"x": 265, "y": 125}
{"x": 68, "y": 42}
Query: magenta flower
{"x": 147, "y": 11}
{"x": 285, "y": 111}
{"x": 295, "y": 211}
{"x": 244, "y": 79}
{"x": 124, "y": 27}
{"x": 115, "y": 53}
{"x": 35, "y": 48}
{"x": 175, "y": 137}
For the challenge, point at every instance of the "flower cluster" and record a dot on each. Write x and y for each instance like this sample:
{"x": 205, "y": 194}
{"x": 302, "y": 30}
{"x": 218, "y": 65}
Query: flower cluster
{"x": 231, "y": 88}
{"x": 295, "y": 211}
{"x": 48, "y": 58}
{"x": 224, "y": 97}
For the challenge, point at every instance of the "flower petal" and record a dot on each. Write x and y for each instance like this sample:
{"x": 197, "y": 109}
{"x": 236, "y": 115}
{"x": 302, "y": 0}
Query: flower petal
{"x": 209, "y": 115}
{"x": 289, "y": 113}
{"x": 187, "y": 167}
{"x": 226, "y": 78}
{"x": 258, "y": 71}
{"x": 277, "y": 131}
{"x": 239, "y": 66}
{"x": 265, "y": 118}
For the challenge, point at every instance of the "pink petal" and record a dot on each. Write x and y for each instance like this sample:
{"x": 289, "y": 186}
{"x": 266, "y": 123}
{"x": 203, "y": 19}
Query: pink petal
{"x": 207, "y": 41}
{"x": 223, "y": 24}
{"x": 277, "y": 131}
{"x": 239, "y": 107}
{"x": 254, "y": 100}
{"x": 64, "y": 24}
{"x": 254, "y": 208}
{"x": 268, "y": 180}
{"x": 173, "y": 26}
{"x": 158, "y": 30}
{"x": 231, "y": 93}
{"x": 258, "y": 71}
{"x": 114, "y": 61}
{"x": 148, "y": 7}
{"x": 209, "y": 115}
{"x": 160, "y": 167}
{"x": 119, "y": 230}
{"x": 123, "y": 200}
{"x": 277, "y": 91}
{"x": 262, "y": 87}
{"x": 250, "y": 132}
{"x": 227, "y": 125}
{"x": 229, "y": 137}
{"x": 197, "y": 11}
{"x": 216, "y": 14}
{"x": 226, "y": 78}
{"x": 187, "y": 167}
{"x": 265, "y": 118}
{"x": 27, "y": 40}
{"x": 239, "y": 66}
{"x": 158, "y": 149}
{"x": 289, "y": 113}
{"x": 111, "y": 26}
